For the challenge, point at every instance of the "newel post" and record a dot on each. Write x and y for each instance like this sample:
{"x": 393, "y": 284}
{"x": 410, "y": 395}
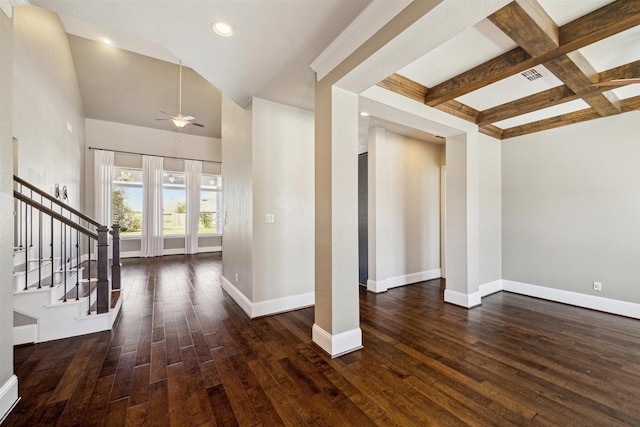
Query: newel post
{"x": 103, "y": 266}
{"x": 115, "y": 266}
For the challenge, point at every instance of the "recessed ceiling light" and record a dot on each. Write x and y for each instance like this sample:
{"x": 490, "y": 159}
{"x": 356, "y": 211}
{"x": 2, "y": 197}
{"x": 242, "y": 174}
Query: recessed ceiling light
{"x": 106, "y": 40}
{"x": 222, "y": 29}
{"x": 364, "y": 114}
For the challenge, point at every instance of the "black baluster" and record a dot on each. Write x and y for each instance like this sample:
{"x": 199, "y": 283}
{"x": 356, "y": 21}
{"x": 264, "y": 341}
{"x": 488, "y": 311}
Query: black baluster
{"x": 89, "y": 271}
{"x": 31, "y": 222}
{"x": 40, "y": 247}
{"x": 51, "y": 245}
{"x": 20, "y": 209}
{"x": 26, "y": 250}
{"x": 77, "y": 264}
{"x": 64, "y": 274}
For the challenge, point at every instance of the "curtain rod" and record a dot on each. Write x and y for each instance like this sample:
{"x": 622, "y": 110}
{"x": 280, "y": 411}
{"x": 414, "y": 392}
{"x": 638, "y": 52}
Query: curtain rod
{"x": 142, "y": 154}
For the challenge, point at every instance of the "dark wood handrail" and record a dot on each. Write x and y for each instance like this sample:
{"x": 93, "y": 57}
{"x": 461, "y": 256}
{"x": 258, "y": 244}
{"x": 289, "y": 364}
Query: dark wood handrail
{"x": 55, "y": 215}
{"x": 56, "y": 201}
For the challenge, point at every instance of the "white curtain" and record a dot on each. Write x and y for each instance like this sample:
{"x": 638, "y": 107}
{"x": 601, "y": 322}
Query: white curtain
{"x": 152, "y": 208}
{"x": 192, "y": 176}
{"x": 103, "y": 175}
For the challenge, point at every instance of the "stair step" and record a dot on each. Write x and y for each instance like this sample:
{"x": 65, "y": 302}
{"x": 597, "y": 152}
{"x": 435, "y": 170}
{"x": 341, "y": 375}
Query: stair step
{"x": 115, "y": 296}
{"x": 20, "y": 268}
{"x": 83, "y": 291}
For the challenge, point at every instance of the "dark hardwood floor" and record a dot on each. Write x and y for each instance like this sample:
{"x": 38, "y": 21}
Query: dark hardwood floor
{"x": 183, "y": 354}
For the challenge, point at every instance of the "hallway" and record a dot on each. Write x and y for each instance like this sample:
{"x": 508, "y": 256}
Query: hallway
{"x": 183, "y": 353}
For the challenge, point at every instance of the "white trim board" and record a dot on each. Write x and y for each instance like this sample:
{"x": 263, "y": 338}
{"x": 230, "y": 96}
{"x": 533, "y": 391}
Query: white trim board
{"x": 8, "y": 396}
{"x": 25, "y": 334}
{"x": 377, "y": 14}
{"x": 378, "y": 286}
{"x": 268, "y": 307}
{"x": 339, "y": 344}
{"x": 463, "y": 300}
{"x": 176, "y": 251}
{"x": 607, "y": 305}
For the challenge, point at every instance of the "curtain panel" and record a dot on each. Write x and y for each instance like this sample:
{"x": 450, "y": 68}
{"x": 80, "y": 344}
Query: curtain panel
{"x": 152, "y": 244}
{"x": 193, "y": 175}
{"x": 103, "y": 176}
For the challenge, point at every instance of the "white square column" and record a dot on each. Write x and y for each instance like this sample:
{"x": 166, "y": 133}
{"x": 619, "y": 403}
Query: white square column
{"x": 337, "y": 323}
{"x": 462, "y": 220}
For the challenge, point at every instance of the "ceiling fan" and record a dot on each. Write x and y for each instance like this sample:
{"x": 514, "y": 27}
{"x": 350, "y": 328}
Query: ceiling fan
{"x": 616, "y": 82}
{"x": 178, "y": 119}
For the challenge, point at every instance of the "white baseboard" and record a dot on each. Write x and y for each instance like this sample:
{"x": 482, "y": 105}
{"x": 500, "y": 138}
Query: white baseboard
{"x": 339, "y": 344}
{"x": 8, "y": 396}
{"x": 490, "y": 288}
{"x": 280, "y": 305}
{"x": 402, "y": 280}
{"x": 377, "y": 286}
{"x": 463, "y": 300}
{"x": 177, "y": 251}
{"x": 129, "y": 254}
{"x": 269, "y": 307}
{"x": 238, "y": 297}
{"x": 607, "y": 305}
{"x": 25, "y": 334}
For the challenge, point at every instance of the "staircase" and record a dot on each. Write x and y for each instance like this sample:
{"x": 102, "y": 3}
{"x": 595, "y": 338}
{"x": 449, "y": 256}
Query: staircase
{"x": 63, "y": 284}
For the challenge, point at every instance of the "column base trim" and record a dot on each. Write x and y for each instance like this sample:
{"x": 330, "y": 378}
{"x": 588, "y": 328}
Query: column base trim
{"x": 402, "y": 280}
{"x": 339, "y": 344}
{"x": 8, "y": 397}
{"x": 463, "y": 300}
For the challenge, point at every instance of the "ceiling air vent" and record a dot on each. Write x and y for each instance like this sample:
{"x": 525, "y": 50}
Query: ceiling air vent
{"x": 531, "y": 74}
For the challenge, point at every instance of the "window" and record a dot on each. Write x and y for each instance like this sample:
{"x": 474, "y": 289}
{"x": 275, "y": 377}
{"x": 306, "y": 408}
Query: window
{"x": 174, "y": 201}
{"x": 211, "y": 217}
{"x": 127, "y": 201}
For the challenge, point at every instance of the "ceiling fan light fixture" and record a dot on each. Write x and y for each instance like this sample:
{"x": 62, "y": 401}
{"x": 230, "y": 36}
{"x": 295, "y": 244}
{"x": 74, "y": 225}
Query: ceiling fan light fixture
{"x": 180, "y": 122}
{"x": 222, "y": 29}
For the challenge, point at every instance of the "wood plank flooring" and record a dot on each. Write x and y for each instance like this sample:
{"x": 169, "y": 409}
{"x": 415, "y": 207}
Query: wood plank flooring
{"x": 183, "y": 354}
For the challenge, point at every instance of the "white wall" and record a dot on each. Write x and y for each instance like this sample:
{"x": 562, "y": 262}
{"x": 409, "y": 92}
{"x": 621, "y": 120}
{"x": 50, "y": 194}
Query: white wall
{"x": 156, "y": 142}
{"x": 238, "y": 196}
{"x": 6, "y": 209}
{"x": 490, "y": 209}
{"x": 47, "y": 100}
{"x": 571, "y": 207}
{"x": 283, "y": 185}
{"x": 404, "y": 210}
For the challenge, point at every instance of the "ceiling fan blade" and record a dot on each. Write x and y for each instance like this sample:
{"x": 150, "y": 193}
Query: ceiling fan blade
{"x": 163, "y": 119}
{"x": 196, "y": 124}
{"x": 189, "y": 118}
{"x": 170, "y": 115}
{"x": 616, "y": 82}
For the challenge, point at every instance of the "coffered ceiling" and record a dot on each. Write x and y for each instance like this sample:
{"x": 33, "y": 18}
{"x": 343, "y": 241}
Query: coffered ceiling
{"x": 531, "y": 66}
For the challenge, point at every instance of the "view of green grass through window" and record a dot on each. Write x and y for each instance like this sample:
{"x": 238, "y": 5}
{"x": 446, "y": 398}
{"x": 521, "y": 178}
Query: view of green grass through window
{"x": 127, "y": 201}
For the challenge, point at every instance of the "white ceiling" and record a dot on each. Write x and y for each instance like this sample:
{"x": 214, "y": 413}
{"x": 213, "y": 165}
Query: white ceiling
{"x": 268, "y": 55}
{"x": 274, "y": 42}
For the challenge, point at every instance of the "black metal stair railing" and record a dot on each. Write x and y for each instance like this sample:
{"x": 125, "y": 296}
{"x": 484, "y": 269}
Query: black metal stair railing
{"x": 78, "y": 235}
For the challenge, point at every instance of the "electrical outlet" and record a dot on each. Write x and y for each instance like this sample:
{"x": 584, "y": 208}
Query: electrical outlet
{"x": 597, "y": 286}
{"x": 236, "y": 277}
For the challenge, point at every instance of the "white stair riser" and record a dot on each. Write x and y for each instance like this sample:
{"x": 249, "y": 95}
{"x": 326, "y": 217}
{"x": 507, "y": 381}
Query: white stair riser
{"x": 32, "y": 277}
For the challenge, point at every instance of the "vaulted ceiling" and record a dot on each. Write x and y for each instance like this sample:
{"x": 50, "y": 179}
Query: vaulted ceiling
{"x": 532, "y": 65}
{"x": 527, "y": 67}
